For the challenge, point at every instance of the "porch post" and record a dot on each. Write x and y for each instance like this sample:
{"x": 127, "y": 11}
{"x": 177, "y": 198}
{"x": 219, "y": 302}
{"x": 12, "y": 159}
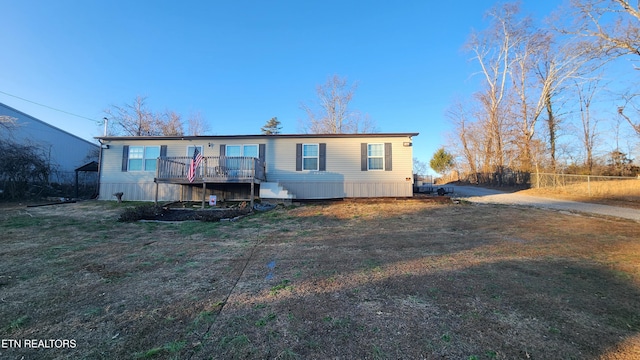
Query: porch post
{"x": 252, "y": 192}
{"x": 204, "y": 192}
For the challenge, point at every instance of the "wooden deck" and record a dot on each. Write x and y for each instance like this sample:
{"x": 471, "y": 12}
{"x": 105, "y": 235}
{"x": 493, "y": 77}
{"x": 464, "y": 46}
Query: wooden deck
{"x": 212, "y": 170}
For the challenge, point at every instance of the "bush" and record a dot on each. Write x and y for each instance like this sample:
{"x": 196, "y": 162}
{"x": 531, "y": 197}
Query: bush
{"x": 24, "y": 170}
{"x": 141, "y": 212}
{"x": 156, "y": 212}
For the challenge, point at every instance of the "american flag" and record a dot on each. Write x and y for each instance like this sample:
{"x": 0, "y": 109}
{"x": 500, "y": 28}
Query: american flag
{"x": 193, "y": 166}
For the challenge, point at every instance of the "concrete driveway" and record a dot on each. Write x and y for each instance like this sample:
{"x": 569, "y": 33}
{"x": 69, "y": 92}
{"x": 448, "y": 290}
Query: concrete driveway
{"x": 490, "y": 196}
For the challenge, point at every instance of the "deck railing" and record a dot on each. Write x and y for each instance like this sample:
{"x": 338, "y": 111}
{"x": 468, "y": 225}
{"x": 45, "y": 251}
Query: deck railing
{"x": 211, "y": 168}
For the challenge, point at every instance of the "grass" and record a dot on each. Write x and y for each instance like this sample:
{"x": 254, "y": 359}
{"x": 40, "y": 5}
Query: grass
{"x": 405, "y": 279}
{"x": 625, "y": 193}
{"x": 17, "y": 324}
{"x": 169, "y": 348}
{"x": 282, "y": 286}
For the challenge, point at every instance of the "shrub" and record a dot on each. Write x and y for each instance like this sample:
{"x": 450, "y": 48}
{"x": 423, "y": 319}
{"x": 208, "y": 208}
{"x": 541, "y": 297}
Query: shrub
{"x": 140, "y": 212}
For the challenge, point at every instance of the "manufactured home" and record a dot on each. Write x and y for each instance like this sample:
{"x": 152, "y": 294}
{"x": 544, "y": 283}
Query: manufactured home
{"x": 243, "y": 167}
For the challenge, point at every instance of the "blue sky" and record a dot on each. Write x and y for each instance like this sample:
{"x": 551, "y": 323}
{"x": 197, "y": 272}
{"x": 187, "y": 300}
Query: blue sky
{"x": 239, "y": 63}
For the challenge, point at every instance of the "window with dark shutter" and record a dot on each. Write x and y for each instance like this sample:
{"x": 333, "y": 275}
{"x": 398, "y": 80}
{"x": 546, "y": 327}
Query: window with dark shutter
{"x": 125, "y": 157}
{"x": 298, "y": 157}
{"x": 322, "y": 157}
{"x": 387, "y": 157}
{"x": 363, "y": 157}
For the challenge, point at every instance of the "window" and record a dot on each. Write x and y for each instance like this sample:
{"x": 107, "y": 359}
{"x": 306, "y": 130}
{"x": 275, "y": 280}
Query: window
{"x": 233, "y": 150}
{"x": 191, "y": 149}
{"x": 242, "y": 150}
{"x": 309, "y": 156}
{"x": 143, "y": 158}
{"x": 236, "y": 165}
{"x": 250, "y": 150}
{"x": 375, "y": 156}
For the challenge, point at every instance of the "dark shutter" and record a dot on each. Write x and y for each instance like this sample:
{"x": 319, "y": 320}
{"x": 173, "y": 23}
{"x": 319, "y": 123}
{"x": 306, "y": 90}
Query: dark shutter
{"x": 163, "y": 151}
{"x": 387, "y": 157}
{"x": 125, "y": 157}
{"x": 363, "y": 157}
{"x": 298, "y": 157}
{"x": 223, "y": 149}
{"x": 322, "y": 158}
{"x": 261, "y": 152}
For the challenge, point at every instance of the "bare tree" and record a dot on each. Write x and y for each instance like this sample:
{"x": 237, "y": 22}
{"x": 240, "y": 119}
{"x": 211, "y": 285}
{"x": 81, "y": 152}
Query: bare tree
{"x": 196, "y": 124}
{"x": 530, "y": 93}
{"x": 629, "y": 103}
{"x": 21, "y": 167}
{"x": 132, "y": 119}
{"x": 332, "y": 114}
{"x": 611, "y": 26}
{"x": 169, "y": 123}
{"x": 586, "y": 94}
{"x": 8, "y": 123}
{"x": 467, "y": 139}
{"x": 611, "y": 29}
{"x": 135, "y": 119}
{"x": 419, "y": 167}
{"x": 494, "y": 50}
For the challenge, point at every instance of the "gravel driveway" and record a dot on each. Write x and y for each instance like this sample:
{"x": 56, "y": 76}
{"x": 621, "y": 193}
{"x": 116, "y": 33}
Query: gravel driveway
{"x": 490, "y": 196}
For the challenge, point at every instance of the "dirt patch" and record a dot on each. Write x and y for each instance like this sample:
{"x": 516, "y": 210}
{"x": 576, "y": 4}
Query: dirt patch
{"x": 401, "y": 279}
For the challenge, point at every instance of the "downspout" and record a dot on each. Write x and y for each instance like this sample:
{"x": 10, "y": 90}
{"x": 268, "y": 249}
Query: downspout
{"x": 99, "y": 170}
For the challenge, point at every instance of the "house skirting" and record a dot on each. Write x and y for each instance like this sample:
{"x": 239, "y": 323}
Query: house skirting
{"x": 174, "y": 192}
{"x": 337, "y": 190}
{"x": 300, "y": 190}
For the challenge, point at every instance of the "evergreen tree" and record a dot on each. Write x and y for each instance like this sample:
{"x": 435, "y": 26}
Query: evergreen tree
{"x": 442, "y": 161}
{"x": 272, "y": 127}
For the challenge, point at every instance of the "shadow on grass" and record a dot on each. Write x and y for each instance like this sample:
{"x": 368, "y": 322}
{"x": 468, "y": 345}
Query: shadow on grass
{"x": 430, "y": 285}
{"x": 507, "y": 309}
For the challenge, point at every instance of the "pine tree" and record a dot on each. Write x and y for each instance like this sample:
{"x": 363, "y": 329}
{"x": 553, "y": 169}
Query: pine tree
{"x": 272, "y": 127}
{"x": 442, "y": 161}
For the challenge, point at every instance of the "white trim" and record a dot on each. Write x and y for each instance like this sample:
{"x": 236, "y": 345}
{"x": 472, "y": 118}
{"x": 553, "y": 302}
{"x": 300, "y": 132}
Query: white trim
{"x": 317, "y": 156}
{"x": 375, "y": 157}
{"x": 143, "y": 158}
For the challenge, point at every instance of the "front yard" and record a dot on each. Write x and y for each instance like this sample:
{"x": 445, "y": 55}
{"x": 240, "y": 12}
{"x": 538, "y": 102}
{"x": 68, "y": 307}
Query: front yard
{"x": 402, "y": 279}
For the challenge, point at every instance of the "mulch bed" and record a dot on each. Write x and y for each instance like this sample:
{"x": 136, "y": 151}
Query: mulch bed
{"x": 201, "y": 214}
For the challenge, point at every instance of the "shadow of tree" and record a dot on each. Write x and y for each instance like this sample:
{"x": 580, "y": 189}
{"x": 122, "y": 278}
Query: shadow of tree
{"x": 507, "y": 309}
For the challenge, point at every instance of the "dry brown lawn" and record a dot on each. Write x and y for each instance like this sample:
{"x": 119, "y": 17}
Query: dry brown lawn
{"x": 396, "y": 280}
{"x": 623, "y": 193}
